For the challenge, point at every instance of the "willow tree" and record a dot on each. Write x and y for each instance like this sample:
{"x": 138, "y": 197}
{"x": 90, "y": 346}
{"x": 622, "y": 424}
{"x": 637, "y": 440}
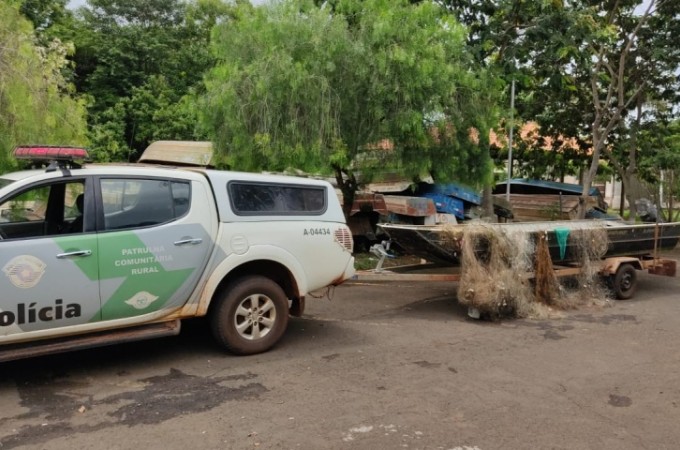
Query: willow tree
{"x": 320, "y": 88}
{"x": 36, "y": 103}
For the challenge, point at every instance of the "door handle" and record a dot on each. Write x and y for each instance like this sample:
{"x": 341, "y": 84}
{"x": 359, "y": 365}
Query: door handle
{"x": 192, "y": 241}
{"x": 75, "y": 253}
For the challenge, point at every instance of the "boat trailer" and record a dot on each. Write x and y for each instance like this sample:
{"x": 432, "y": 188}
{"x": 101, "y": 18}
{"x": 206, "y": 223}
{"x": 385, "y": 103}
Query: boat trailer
{"x": 618, "y": 272}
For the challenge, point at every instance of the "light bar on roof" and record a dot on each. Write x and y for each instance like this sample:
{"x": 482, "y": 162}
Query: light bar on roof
{"x": 50, "y": 153}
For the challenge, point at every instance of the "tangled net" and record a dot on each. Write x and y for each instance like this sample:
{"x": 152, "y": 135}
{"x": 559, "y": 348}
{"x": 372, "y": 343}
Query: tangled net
{"x": 508, "y": 271}
{"x": 589, "y": 245}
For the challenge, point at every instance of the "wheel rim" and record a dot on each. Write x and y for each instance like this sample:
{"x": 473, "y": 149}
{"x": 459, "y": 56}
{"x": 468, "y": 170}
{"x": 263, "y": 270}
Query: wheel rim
{"x": 626, "y": 281}
{"x": 255, "y": 317}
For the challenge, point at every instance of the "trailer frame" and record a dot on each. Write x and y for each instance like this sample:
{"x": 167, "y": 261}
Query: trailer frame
{"x": 619, "y": 273}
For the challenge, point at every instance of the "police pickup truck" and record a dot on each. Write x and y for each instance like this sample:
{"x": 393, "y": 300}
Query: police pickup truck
{"x": 97, "y": 254}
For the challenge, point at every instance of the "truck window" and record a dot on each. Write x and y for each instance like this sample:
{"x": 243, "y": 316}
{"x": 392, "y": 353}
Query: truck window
{"x": 134, "y": 203}
{"x": 44, "y": 210}
{"x": 276, "y": 199}
{"x": 28, "y": 206}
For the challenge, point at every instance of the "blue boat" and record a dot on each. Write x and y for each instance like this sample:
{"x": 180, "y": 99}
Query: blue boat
{"x": 447, "y": 205}
{"x": 458, "y": 191}
{"x": 451, "y": 198}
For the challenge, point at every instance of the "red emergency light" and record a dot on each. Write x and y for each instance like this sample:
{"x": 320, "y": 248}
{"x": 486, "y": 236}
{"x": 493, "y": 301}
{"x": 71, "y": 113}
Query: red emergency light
{"x": 50, "y": 153}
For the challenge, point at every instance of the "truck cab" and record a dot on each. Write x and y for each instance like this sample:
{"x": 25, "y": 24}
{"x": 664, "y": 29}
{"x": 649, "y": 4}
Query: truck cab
{"x": 96, "y": 254}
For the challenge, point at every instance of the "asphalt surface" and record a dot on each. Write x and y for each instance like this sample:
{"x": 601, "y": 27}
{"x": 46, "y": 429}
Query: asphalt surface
{"x": 378, "y": 366}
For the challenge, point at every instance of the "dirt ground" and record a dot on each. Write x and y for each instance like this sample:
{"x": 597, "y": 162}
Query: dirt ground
{"x": 378, "y": 366}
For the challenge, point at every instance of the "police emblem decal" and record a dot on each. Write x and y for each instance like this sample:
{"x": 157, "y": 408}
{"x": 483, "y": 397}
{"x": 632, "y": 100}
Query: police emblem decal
{"x": 141, "y": 300}
{"x": 24, "y": 271}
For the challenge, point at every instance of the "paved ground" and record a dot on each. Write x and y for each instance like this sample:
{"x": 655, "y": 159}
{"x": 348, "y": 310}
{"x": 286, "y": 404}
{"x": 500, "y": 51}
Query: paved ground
{"x": 388, "y": 366}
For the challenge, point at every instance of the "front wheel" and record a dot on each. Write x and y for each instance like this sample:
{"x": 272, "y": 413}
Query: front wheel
{"x": 250, "y": 316}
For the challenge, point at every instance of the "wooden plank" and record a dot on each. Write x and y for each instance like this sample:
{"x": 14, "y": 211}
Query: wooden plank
{"x": 369, "y": 202}
{"x": 410, "y": 206}
{"x": 538, "y": 207}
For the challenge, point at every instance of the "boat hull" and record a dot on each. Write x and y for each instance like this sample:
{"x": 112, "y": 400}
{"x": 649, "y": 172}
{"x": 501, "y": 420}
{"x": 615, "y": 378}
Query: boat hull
{"x": 442, "y": 243}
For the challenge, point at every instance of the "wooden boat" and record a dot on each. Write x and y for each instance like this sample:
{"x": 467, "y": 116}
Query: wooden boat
{"x": 544, "y": 207}
{"x": 542, "y": 187}
{"x": 409, "y": 207}
{"x": 443, "y": 243}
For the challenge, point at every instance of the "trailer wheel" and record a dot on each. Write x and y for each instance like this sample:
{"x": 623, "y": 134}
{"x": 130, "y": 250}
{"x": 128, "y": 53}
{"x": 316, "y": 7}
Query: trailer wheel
{"x": 624, "y": 282}
{"x": 250, "y": 316}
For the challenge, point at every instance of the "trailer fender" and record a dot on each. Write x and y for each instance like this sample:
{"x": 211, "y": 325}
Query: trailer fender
{"x": 611, "y": 265}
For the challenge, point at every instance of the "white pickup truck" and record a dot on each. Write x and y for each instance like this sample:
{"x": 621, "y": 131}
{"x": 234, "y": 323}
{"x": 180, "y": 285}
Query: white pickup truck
{"x": 97, "y": 254}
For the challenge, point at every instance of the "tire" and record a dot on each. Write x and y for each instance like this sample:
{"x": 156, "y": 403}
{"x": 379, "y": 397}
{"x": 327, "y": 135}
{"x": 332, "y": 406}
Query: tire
{"x": 361, "y": 244}
{"x": 624, "y": 282}
{"x": 250, "y": 316}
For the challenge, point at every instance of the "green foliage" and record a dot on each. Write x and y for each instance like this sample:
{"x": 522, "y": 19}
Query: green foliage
{"x": 154, "y": 116}
{"x": 582, "y": 69}
{"x": 50, "y": 18}
{"x": 36, "y": 102}
{"x": 539, "y": 45}
{"x": 271, "y": 89}
{"x": 661, "y": 142}
{"x": 320, "y": 88}
{"x": 107, "y": 137}
{"x": 141, "y": 63}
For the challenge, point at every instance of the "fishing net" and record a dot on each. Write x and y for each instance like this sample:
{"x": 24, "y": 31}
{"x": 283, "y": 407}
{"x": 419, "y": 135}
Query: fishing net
{"x": 508, "y": 271}
{"x": 493, "y": 271}
{"x": 546, "y": 285}
{"x": 588, "y": 246}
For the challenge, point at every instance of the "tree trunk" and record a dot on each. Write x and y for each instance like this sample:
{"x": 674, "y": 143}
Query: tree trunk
{"x": 633, "y": 190}
{"x": 622, "y": 199}
{"x": 348, "y": 187}
{"x": 670, "y": 190}
{"x": 631, "y": 170}
{"x": 632, "y": 187}
{"x": 487, "y": 204}
{"x": 669, "y": 182}
{"x": 608, "y": 110}
{"x": 589, "y": 175}
{"x": 631, "y": 195}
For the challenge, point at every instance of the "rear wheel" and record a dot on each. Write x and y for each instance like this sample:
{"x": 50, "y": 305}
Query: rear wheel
{"x": 250, "y": 316}
{"x": 624, "y": 282}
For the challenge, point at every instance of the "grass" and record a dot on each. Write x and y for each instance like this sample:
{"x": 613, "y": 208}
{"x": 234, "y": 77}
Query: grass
{"x": 364, "y": 261}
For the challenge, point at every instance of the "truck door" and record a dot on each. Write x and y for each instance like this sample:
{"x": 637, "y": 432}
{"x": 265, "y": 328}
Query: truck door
{"x": 48, "y": 257}
{"x": 153, "y": 245}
